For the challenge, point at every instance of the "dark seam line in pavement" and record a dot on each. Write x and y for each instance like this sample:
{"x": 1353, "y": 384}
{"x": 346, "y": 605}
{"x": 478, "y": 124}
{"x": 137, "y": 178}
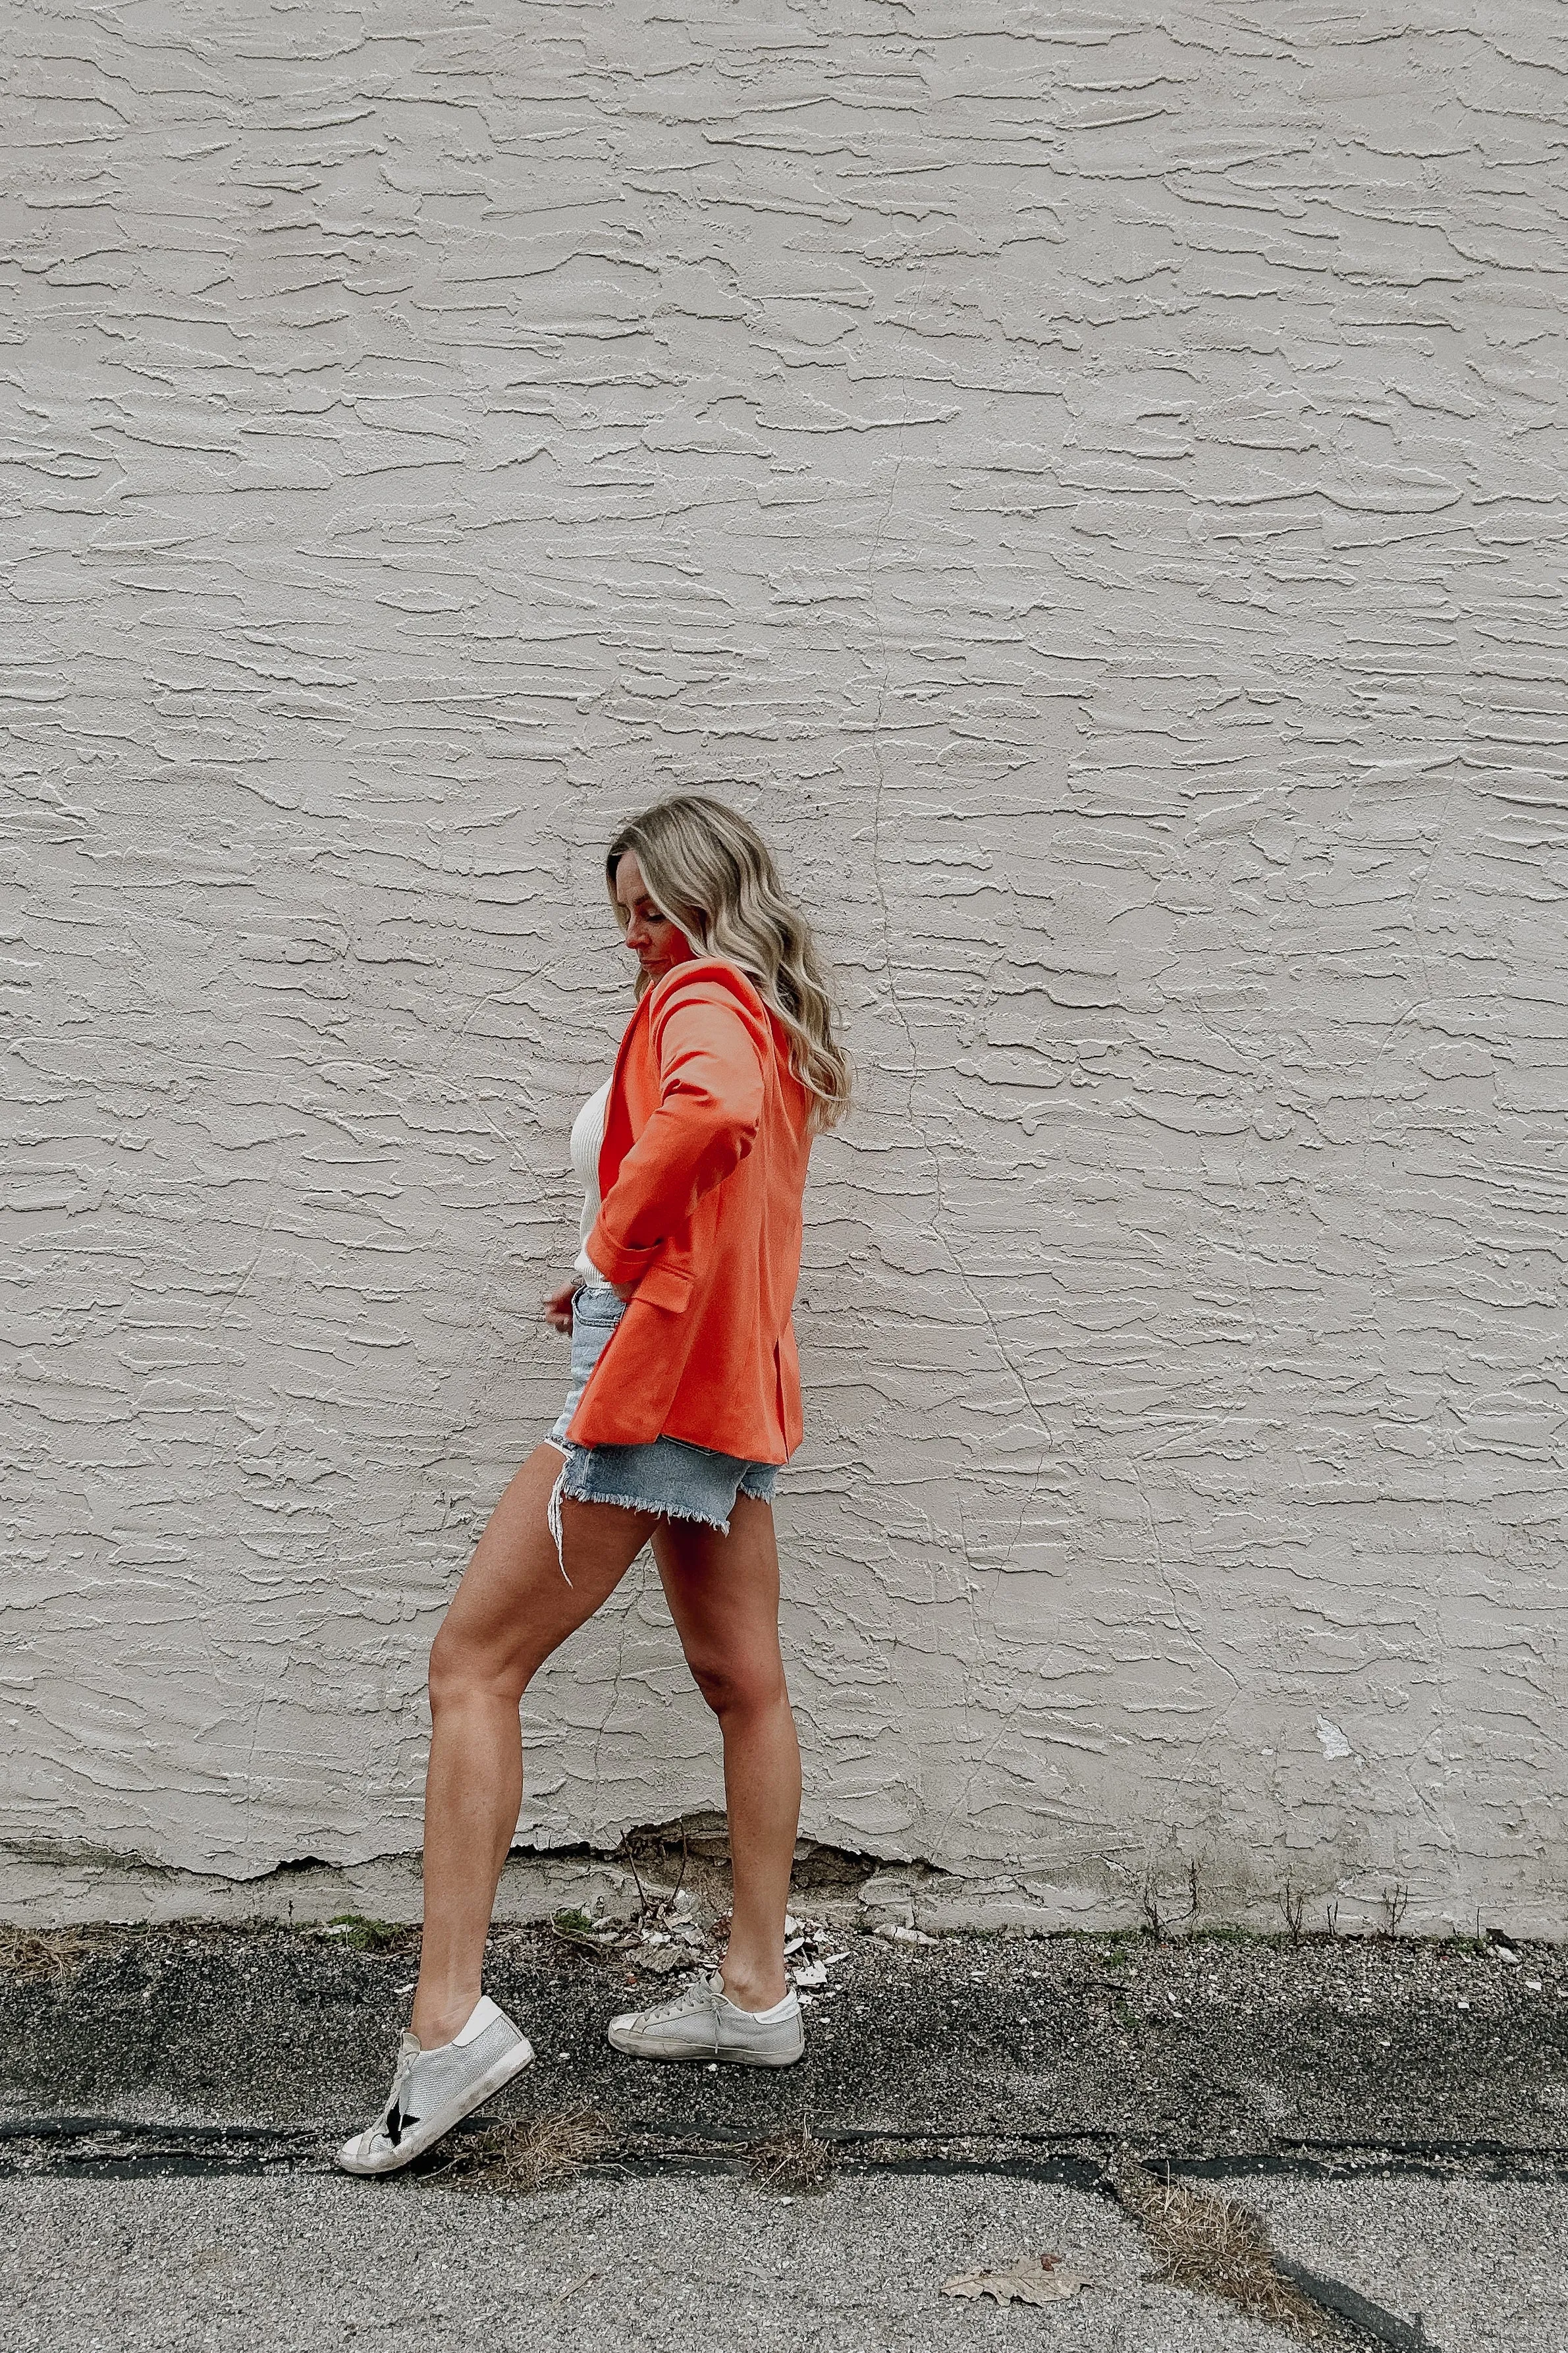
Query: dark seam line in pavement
{"x": 1306, "y": 2149}
{"x": 109, "y": 2144}
{"x": 84, "y": 2127}
{"x": 1333, "y": 2297}
{"x": 1375, "y": 2161}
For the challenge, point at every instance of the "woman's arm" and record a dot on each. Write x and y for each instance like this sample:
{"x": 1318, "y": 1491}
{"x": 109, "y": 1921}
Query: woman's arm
{"x": 711, "y": 1048}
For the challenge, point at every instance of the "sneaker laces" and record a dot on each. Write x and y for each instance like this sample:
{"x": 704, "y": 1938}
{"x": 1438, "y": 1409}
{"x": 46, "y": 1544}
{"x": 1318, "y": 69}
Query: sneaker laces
{"x": 686, "y": 2000}
{"x": 405, "y": 2059}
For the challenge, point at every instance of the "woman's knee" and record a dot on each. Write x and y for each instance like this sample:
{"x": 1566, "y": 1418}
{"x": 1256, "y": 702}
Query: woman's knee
{"x": 463, "y": 1668}
{"x": 734, "y": 1687}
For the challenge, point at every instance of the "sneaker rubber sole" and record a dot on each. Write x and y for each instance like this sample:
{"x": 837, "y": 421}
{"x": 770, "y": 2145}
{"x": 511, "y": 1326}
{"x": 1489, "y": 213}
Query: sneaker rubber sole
{"x": 700, "y": 2057}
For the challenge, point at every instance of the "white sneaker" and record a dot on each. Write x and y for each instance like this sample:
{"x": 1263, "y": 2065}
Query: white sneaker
{"x": 434, "y": 2090}
{"x": 702, "y": 2023}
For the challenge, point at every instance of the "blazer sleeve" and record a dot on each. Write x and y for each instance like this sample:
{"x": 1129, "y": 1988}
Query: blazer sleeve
{"x": 710, "y": 1069}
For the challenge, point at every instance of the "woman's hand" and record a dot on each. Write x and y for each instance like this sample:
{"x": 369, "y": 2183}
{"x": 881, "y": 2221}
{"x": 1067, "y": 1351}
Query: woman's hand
{"x": 625, "y": 1291}
{"x": 557, "y": 1309}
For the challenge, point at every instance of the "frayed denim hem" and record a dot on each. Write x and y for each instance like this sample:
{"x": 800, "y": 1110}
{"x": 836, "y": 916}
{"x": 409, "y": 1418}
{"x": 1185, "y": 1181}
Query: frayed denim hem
{"x": 670, "y": 1478}
{"x": 666, "y": 1511}
{"x": 552, "y": 1513}
{"x": 562, "y": 1492}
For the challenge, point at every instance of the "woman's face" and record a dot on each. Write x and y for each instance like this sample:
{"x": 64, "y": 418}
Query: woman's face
{"x": 654, "y": 939}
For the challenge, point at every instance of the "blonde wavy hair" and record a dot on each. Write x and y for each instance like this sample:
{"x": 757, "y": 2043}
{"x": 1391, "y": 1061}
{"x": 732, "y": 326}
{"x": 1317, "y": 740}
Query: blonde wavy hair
{"x": 709, "y": 872}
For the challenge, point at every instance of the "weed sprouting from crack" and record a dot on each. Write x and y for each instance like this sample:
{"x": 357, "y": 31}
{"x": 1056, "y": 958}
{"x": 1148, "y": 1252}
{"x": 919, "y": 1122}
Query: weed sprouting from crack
{"x": 794, "y": 2162}
{"x": 1210, "y": 2244}
{"x": 514, "y": 2159}
{"x": 362, "y": 1935}
{"x": 33, "y": 1956}
{"x": 582, "y": 1932}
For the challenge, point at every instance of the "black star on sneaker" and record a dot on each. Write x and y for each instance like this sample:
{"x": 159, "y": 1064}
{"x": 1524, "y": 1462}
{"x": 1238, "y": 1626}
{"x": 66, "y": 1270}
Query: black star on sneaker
{"x": 397, "y": 2117}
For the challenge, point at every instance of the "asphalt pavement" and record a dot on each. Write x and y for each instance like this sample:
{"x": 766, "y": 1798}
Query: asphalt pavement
{"x": 1395, "y": 2113}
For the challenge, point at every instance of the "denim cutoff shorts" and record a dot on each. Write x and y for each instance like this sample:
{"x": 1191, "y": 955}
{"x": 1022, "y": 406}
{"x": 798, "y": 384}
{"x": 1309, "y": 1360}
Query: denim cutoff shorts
{"x": 669, "y": 1475}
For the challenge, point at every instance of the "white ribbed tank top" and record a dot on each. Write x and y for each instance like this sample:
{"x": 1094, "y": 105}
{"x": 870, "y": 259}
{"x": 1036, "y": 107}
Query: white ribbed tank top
{"x": 588, "y": 1141}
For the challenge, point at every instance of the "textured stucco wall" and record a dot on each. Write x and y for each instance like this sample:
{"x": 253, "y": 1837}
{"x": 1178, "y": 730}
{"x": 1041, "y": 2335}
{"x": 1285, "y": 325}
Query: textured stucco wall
{"x": 1091, "y": 484}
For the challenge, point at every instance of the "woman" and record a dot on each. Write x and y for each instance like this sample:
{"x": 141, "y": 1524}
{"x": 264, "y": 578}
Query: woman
{"x": 684, "y": 1399}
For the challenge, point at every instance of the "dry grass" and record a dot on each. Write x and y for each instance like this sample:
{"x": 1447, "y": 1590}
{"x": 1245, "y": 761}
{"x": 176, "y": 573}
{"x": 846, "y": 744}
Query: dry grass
{"x": 693, "y": 1855}
{"x": 33, "y": 1956}
{"x": 1211, "y": 2245}
{"x": 792, "y": 2162}
{"x": 513, "y": 2160}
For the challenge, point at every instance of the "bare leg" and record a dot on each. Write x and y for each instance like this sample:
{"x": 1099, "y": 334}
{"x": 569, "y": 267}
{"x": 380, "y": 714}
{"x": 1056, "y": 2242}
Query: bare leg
{"x": 511, "y": 1609}
{"x": 723, "y": 1594}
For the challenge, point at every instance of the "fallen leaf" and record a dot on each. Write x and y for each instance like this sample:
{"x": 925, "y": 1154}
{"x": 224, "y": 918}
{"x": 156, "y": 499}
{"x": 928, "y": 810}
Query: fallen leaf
{"x": 1028, "y": 2279}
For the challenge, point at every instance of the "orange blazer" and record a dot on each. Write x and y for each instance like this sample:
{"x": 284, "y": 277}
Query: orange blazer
{"x": 701, "y": 1178}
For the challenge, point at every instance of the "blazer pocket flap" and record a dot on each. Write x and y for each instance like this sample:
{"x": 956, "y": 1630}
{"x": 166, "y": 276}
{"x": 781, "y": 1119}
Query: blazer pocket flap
{"x": 666, "y": 1286}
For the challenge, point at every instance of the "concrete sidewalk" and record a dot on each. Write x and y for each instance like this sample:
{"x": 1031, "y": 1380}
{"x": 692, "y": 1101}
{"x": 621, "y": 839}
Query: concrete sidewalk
{"x": 1397, "y": 2112}
{"x": 705, "y": 2266}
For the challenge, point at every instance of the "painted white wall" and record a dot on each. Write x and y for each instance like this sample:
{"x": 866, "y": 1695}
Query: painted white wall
{"x": 1094, "y": 492}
